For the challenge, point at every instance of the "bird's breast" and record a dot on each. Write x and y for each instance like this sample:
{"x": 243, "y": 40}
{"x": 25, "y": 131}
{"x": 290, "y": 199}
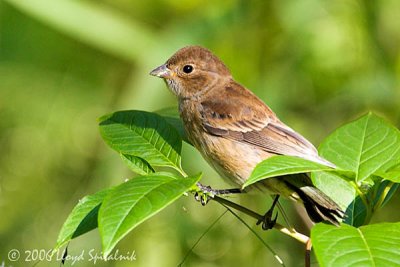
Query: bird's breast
{"x": 231, "y": 159}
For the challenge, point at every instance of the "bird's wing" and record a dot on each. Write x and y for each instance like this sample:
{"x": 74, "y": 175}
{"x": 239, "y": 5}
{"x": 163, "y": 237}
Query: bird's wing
{"x": 243, "y": 117}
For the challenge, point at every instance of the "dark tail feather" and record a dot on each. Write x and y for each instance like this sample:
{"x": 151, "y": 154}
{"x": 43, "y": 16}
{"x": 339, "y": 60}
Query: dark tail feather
{"x": 319, "y": 206}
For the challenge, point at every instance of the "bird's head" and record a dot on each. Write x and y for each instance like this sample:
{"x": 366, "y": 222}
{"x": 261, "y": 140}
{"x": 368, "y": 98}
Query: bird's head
{"x": 192, "y": 71}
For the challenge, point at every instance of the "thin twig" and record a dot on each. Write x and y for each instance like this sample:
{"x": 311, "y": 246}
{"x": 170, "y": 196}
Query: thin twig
{"x": 202, "y": 235}
{"x": 259, "y": 238}
{"x": 308, "y": 254}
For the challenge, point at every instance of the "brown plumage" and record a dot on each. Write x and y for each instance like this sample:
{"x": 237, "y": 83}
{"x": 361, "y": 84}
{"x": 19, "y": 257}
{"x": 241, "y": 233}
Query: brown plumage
{"x": 234, "y": 130}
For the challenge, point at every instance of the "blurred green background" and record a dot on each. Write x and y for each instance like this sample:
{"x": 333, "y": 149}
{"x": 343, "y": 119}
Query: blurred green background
{"x": 63, "y": 64}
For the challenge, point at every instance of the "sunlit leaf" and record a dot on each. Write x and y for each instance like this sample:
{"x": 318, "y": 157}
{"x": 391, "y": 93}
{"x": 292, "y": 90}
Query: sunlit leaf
{"x": 133, "y": 202}
{"x": 83, "y": 217}
{"x": 365, "y": 146}
{"x": 283, "y": 165}
{"x": 371, "y": 245}
{"x": 145, "y": 135}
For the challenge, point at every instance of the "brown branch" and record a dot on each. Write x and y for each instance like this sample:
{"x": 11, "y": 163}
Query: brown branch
{"x": 308, "y": 254}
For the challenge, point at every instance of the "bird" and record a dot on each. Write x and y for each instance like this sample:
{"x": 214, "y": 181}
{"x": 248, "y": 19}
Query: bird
{"x": 234, "y": 130}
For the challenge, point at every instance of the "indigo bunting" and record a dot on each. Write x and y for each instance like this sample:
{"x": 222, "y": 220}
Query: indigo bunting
{"x": 234, "y": 130}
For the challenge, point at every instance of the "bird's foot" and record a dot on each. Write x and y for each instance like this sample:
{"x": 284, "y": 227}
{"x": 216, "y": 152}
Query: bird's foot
{"x": 266, "y": 221}
{"x": 205, "y": 193}
{"x": 202, "y": 197}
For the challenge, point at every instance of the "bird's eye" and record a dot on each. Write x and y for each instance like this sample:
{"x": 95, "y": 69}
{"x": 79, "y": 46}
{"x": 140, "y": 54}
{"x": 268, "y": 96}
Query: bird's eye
{"x": 187, "y": 68}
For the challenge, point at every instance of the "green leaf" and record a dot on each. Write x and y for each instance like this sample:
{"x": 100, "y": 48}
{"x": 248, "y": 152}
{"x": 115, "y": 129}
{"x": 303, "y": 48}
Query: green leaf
{"x": 83, "y": 217}
{"x": 365, "y": 146}
{"x": 358, "y": 210}
{"x": 371, "y": 245}
{"x": 384, "y": 192}
{"x": 283, "y": 165}
{"x": 133, "y": 202}
{"x": 171, "y": 115}
{"x": 344, "y": 194}
{"x": 393, "y": 176}
{"x": 136, "y": 164}
{"x": 145, "y": 135}
{"x": 389, "y": 185}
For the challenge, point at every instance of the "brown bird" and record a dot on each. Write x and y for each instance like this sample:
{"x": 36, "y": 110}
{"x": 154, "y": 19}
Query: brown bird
{"x": 234, "y": 130}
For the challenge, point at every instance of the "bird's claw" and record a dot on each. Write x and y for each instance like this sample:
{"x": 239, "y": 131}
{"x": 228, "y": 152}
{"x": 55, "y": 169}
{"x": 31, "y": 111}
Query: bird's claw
{"x": 204, "y": 193}
{"x": 202, "y": 197}
{"x": 267, "y": 221}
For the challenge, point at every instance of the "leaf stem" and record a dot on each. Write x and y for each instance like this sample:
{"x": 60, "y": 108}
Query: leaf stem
{"x": 182, "y": 172}
{"x": 365, "y": 201}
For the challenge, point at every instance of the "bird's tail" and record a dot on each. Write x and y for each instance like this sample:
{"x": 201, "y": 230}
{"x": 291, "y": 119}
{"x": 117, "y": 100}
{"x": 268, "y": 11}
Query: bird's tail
{"x": 318, "y": 205}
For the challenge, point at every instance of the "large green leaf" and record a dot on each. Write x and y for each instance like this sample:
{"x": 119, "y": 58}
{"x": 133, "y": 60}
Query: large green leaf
{"x": 83, "y": 217}
{"x": 283, "y": 165}
{"x": 371, "y": 245}
{"x": 145, "y": 135}
{"x": 365, "y": 146}
{"x": 130, "y": 203}
{"x": 171, "y": 115}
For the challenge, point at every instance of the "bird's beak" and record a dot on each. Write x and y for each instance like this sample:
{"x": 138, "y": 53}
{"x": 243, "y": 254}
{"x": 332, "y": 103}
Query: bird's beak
{"x": 162, "y": 72}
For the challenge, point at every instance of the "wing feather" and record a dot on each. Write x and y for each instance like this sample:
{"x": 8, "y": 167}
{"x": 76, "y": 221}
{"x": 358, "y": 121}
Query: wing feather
{"x": 245, "y": 118}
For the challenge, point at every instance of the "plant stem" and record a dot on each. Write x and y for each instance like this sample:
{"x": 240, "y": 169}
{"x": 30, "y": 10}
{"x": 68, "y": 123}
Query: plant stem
{"x": 365, "y": 201}
{"x": 292, "y": 233}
